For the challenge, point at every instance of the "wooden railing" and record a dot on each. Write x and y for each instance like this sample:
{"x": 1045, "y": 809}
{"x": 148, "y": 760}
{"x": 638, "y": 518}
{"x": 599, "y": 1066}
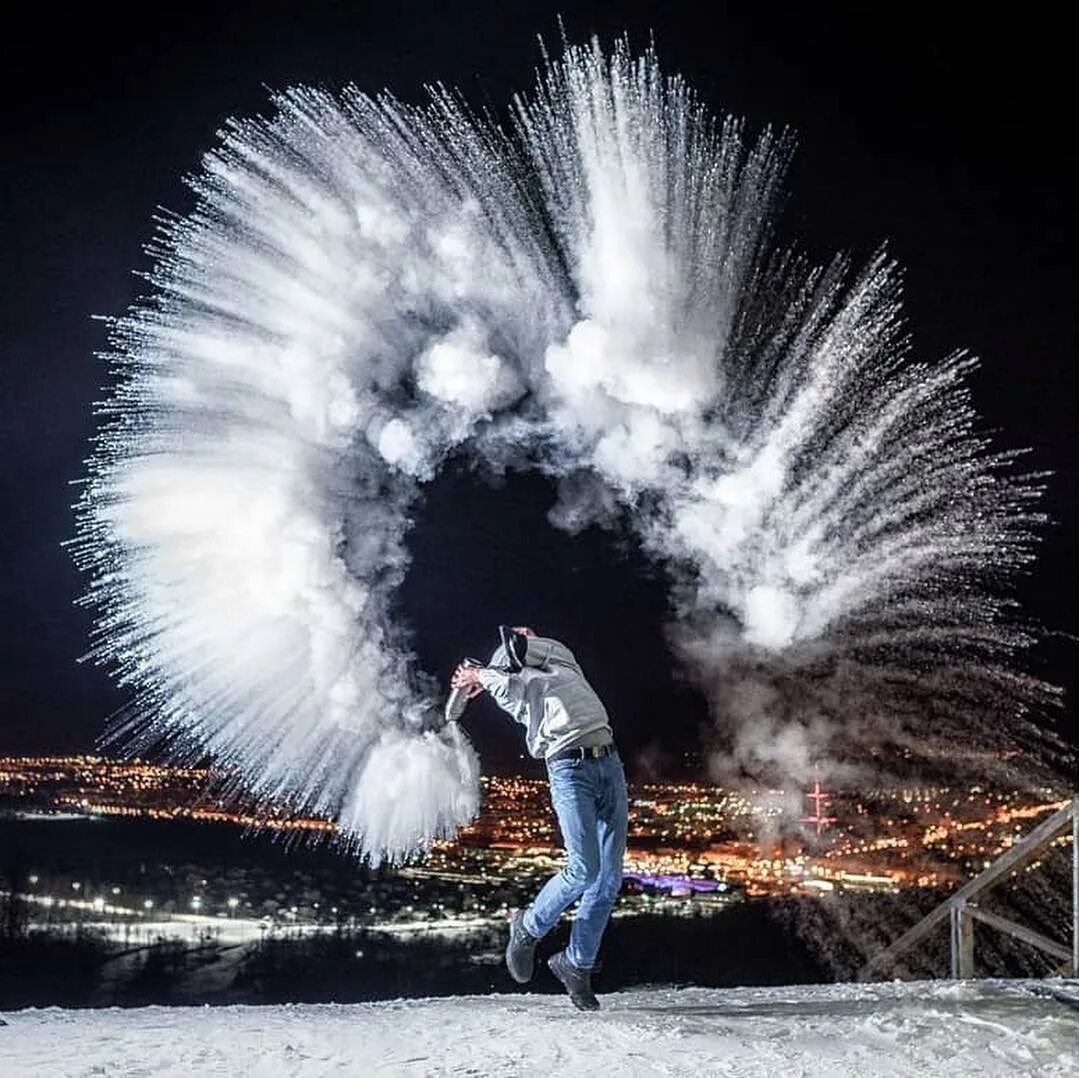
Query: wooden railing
{"x": 962, "y": 911}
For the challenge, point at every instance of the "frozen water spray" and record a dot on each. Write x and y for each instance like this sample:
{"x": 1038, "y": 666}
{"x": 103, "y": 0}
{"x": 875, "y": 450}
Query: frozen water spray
{"x": 592, "y": 288}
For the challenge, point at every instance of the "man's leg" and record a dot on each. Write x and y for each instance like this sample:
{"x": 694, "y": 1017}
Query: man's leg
{"x": 573, "y": 795}
{"x": 599, "y": 898}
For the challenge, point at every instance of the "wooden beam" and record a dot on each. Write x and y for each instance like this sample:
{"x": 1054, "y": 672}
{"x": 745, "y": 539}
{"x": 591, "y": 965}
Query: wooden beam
{"x": 1019, "y": 855}
{"x": 1027, "y": 935}
{"x": 1013, "y": 859}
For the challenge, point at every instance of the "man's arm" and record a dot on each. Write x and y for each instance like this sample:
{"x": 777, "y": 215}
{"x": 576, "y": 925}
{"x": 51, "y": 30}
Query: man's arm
{"x": 506, "y": 689}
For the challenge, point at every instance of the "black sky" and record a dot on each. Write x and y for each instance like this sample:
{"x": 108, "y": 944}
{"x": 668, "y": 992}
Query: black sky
{"x": 949, "y": 137}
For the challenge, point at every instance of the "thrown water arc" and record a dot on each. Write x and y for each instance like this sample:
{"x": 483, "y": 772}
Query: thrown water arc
{"x": 366, "y": 285}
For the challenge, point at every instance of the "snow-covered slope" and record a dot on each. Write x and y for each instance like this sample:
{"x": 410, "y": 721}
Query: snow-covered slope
{"x": 983, "y": 1028}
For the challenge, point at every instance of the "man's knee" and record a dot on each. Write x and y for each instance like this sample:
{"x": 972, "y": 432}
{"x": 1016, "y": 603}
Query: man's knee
{"x": 581, "y": 873}
{"x": 605, "y": 891}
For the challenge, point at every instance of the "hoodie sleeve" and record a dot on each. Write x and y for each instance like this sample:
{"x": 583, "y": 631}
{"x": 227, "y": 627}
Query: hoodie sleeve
{"x": 509, "y": 690}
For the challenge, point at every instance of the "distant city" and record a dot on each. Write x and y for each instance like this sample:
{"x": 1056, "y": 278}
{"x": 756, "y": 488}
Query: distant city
{"x": 693, "y": 849}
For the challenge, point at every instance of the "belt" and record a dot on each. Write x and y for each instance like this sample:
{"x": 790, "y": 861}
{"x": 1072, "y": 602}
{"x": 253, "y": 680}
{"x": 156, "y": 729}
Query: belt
{"x": 584, "y": 752}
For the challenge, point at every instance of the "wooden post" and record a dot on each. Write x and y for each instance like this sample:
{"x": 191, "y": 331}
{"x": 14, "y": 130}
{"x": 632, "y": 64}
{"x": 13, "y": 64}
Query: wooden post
{"x": 1075, "y": 884}
{"x": 962, "y": 941}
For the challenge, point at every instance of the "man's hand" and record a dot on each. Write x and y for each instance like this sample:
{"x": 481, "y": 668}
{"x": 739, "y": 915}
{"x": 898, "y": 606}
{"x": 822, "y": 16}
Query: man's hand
{"x": 467, "y": 677}
{"x": 524, "y": 630}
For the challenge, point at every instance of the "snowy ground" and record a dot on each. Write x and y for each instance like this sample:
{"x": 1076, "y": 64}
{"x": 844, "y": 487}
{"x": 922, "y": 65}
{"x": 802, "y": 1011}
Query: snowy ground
{"x": 982, "y": 1028}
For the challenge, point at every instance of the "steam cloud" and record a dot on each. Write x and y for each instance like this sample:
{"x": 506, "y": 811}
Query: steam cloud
{"x": 365, "y": 286}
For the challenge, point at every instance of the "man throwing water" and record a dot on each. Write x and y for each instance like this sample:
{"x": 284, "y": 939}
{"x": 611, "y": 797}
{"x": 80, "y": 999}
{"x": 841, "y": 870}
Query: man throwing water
{"x": 540, "y": 684}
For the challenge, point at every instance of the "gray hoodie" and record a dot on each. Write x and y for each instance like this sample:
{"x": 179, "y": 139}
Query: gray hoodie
{"x": 549, "y": 697}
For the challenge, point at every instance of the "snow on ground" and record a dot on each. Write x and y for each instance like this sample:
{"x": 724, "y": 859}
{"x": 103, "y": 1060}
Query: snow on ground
{"x": 936, "y": 1028}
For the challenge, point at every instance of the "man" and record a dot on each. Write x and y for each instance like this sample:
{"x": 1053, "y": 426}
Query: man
{"x": 540, "y": 684}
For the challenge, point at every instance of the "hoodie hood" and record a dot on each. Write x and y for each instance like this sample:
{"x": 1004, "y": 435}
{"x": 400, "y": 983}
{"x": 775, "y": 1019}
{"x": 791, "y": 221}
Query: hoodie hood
{"x": 539, "y": 651}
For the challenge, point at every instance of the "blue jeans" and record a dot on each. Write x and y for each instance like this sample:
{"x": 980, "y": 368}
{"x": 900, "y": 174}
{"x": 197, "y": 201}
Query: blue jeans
{"x": 589, "y": 799}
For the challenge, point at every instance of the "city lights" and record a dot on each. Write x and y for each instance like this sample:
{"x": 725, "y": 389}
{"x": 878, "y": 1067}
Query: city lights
{"x": 693, "y": 848}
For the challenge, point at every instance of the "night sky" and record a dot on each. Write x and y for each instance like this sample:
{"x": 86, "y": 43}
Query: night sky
{"x": 947, "y": 138}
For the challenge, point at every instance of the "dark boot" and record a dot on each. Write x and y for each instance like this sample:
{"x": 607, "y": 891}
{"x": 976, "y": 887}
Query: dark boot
{"x": 521, "y": 949}
{"x": 577, "y": 982}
